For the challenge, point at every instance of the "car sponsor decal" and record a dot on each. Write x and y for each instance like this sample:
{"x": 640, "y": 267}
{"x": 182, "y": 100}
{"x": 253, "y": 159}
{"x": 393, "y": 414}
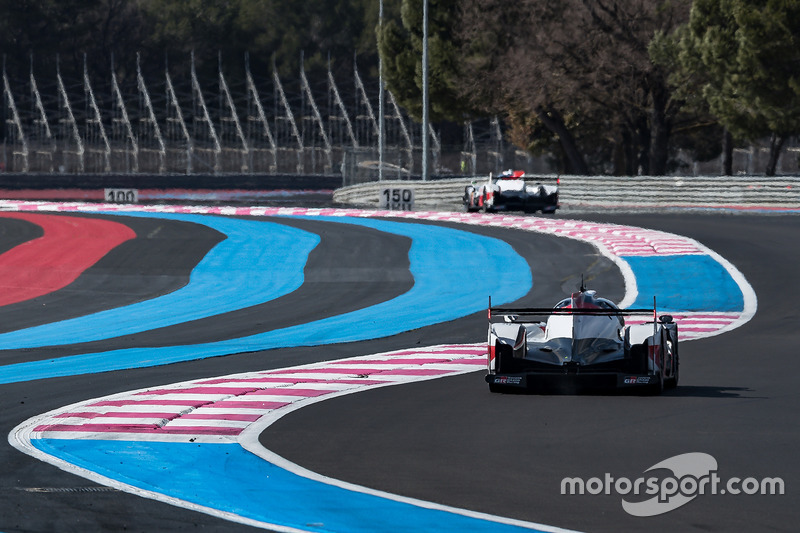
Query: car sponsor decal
{"x": 507, "y": 380}
{"x": 636, "y": 380}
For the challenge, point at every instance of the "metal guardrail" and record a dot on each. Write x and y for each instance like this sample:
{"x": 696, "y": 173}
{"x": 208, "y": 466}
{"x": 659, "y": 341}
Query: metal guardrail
{"x": 608, "y": 191}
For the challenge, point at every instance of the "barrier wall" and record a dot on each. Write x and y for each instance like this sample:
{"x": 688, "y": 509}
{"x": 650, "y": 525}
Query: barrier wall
{"x": 575, "y": 192}
{"x": 780, "y": 193}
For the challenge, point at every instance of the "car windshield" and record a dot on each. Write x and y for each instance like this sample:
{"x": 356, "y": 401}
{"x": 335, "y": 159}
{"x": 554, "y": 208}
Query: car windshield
{"x": 587, "y": 336}
{"x": 511, "y": 175}
{"x": 585, "y": 300}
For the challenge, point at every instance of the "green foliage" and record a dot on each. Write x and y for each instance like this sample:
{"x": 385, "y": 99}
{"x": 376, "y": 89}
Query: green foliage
{"x": 400, "y": 46}
{"x": 696, "y": 131}
{"x": 278, "y": 31}
{"x": 67, "y": 29}
{"x": 745, "y": 54}
{"x": 582, "y": 68}
{"x": 271, "y": 31}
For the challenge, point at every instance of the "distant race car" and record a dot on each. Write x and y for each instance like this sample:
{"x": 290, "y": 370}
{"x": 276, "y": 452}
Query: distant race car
{"x": 511, "y": 190}
{"x": 582, "y": 342}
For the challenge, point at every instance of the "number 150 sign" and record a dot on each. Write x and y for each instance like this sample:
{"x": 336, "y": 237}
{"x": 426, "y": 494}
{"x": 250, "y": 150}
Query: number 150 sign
{"x": 397, "y": 199}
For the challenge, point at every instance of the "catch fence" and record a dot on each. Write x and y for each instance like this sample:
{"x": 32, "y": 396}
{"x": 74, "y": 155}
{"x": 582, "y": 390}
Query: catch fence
{"x": 267, "y": 125}
{"x": 180, "y": 124}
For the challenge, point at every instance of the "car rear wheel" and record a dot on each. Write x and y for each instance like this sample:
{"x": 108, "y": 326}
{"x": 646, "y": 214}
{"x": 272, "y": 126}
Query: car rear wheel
{"x": 658, "y": 387}
{"x": 469, "y": 199}
{"x": 672, "y": 382}
{"x": 483, "y": 207}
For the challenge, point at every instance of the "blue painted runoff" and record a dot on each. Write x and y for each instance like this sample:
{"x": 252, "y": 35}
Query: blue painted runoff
{"x": 256, "y": 489}
{"x": 685, "y": 283}
{"x": 447, "y": 265}
{"x": 257, "y": 262}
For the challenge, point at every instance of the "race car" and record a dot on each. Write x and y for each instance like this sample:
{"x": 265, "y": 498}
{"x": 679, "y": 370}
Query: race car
{"x": 511, "y": 190}
{"x": 582, "y": 342}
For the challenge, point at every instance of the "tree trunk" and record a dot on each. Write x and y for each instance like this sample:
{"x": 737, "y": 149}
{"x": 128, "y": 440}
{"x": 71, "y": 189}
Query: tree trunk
{"x": 727, "y": 153}
{"x": 644, "y": 143}
{"x": 775, "y": 147}
{"x": 631, "y": 153}
{"x": 660, "y": 130}
{"x": 620, "y": 157}
{"x": 555, "y": 123}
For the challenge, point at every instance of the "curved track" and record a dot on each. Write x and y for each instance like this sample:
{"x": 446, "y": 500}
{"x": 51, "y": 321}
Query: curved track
{"x": 443, "y": 440}
{"x": 449, "y": 441}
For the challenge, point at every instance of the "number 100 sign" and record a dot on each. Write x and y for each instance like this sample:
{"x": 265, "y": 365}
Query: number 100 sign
{"x": 397, "y": 199}
{"x": 122, "y": 196}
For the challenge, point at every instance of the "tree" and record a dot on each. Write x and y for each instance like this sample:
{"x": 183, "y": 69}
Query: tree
{"x": 400, "y": 46}
{"x": 749, "y": 53}
{"x": 582, "y": 68}
{"x": 275, "y": 32}
{"x": 320, "y": 29}
{"x": 68, "y": 29}
{"x": 695, "y": 129}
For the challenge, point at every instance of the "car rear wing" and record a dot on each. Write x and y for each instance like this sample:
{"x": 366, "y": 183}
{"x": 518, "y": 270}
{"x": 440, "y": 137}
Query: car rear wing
{"x": 501, "y": 313}
{"x": 534, "y": 178}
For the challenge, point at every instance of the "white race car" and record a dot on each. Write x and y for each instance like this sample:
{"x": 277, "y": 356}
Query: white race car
{"x": 583, "y": 341}
{"x": 511, "y": 190}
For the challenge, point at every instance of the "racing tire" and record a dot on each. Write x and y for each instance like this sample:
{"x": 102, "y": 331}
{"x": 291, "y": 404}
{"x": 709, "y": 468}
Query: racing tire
{"x": 672, "y": 382}
{"x": 469, "y": 199}
{"x": 658, "y": 387}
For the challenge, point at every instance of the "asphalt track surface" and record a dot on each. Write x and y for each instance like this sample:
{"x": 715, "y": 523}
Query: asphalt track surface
{"x": 446, "y": 440}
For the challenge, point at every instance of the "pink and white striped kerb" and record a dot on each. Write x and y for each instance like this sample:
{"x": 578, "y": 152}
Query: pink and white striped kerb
{"x": 695, "y": 325}
{"x": 220, "y": 409}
